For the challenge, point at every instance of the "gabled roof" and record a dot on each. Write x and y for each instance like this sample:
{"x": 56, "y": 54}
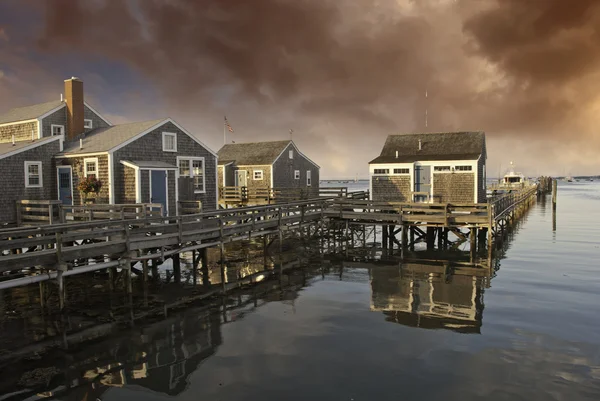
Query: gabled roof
{"x": 105, "y": 139}
{"x": 253, "y": 153}
{"x": 148, "y": 164}
{"x": 434, "y": 146}
{"x": 7, "y": 149}
{"x": 29, "y": 112}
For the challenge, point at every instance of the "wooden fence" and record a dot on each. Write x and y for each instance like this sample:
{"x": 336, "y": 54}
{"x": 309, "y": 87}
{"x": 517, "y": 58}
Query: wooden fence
{"x": 38, "y": 212}
{"x": 268, "y": 195}
{"x": 148, "y": 238}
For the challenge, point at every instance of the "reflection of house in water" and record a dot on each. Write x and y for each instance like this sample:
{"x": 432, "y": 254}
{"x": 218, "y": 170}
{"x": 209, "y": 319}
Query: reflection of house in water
{"x": 427, "y": 300}
{"x": 173, "y": 349}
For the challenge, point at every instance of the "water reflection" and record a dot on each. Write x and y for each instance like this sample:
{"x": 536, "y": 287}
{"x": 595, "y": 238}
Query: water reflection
{"x": 424, "y": 296}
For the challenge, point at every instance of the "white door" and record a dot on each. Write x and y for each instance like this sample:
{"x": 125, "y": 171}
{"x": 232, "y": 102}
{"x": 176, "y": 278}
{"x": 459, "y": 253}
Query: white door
{"x": 241, "y": 178}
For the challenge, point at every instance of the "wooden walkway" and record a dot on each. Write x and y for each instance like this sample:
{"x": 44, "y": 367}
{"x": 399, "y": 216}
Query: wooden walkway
{"x": 36, "y": 254}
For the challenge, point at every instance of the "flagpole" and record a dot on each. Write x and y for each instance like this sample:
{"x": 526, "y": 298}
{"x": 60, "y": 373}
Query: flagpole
{"x": 224, "y": 131}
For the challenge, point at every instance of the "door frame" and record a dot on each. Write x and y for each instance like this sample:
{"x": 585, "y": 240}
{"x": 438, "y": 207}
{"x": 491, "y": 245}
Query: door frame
{"x": 419, "y": 167}
{"x": 58, "y": 183}
{"x": 166, "y": 187}
{"x": 237, "y": 182}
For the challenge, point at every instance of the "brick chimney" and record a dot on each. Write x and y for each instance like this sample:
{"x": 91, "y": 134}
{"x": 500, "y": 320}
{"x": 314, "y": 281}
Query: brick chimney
{"x": 74, "y": 100}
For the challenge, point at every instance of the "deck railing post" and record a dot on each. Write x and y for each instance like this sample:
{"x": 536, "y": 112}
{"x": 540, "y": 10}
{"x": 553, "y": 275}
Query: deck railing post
{"x": 50, "y": 213}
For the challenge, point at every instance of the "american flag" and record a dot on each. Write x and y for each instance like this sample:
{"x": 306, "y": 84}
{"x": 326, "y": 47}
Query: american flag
{"x": 227, "y": 125}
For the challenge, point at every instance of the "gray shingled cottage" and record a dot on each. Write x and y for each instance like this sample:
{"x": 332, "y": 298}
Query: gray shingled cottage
{"x": 278, "y": 165}
{"x": 46, "y": 149}
{"x": 437, "y": 167}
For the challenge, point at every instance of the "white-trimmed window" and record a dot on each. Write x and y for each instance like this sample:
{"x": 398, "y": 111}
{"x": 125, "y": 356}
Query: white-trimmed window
{"x": 381, "y": 171}
{"x": 88, "y": 124}
{"x": 463, "y": 168}
{"x": 441, "y": 168}
{"x": 90, "y": 167}
{"x": 401, "y": 171}
{"x": 296, "y": 174}
{"x": 258, "y": 175}
{"x": 291, "y": 154}
{"x": 192, "y": 167}
{"x": 169, "y": 142}
{"x": 308, "y": 178}
{"x": 33, "y": 175}
{"x": 57, "y": 129}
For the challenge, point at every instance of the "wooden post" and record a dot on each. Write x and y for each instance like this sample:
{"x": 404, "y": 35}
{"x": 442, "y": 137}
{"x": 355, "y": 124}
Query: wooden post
{"x": 61, "y": 290}
{"x": 154, "y": 267}
{"x": 430, "y": 237}
{"x": 205, "y": 273}
{"x": 145, "y": 273}
{"x": 384, "y": 237}
{"x": 42, "y": 295}
{"x": 176, "y": 268}
{"x": 473, "y": 244}
{"x": 554, "y": 190}
{"x": 280, "y": 254}
{"x": 412, "y": 238}
{"x": 194, "y": 268}
{"x": 222, "y": 263}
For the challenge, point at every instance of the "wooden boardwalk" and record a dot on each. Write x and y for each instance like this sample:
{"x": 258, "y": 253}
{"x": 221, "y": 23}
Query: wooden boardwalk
{"x": 35, "y": 254}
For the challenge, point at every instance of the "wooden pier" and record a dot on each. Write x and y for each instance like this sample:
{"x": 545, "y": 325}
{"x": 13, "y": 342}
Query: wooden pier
{"x": 54, "y": 251}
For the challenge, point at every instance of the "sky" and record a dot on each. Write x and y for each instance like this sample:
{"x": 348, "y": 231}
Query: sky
{"x": 342, "y": 74}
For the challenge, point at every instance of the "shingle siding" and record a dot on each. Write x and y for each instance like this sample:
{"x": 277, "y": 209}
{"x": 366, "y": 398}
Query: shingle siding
{"x": 78, "y": 174}
{"x": 251, "y": 182}
{"x": 59, "y": 117}
{"x": 13, "y": 179}
{"x": 145, "y": 184}
{"x": 97, "y": 122}
{"x": 129, "y": 178}
{"x": 149, "y": 147}
{"x": 391, "y": 188}
{"x": 454, "y": 187}
{"x": 284, "y": 167}
{"x": 21, "y": 131}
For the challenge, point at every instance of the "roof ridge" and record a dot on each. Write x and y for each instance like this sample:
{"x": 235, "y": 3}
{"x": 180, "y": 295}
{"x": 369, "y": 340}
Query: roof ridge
{"x": 257, "y": 142}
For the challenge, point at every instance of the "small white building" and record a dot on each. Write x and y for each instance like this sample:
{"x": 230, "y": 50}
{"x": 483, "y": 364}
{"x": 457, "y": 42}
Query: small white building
{"x": 434, "y": 167}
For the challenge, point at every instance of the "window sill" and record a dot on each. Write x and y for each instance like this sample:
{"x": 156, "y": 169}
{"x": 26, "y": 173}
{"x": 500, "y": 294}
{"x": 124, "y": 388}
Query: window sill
{"x": 171, "y": 151}
{"x": 199, "y": 192}
{"x": 34, "y": 186}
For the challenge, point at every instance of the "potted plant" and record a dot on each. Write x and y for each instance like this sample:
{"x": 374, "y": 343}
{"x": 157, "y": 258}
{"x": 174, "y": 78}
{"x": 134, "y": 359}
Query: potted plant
{"x": 89, "y": 185}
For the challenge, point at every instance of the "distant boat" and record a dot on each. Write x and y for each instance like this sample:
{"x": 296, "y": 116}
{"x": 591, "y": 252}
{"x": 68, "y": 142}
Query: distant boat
{"x": 569, "y": 179}
{"x": 512, "y": 178}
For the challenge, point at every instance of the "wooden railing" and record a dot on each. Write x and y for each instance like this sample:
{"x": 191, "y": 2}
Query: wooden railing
{"x": 151, "y": 237}
{"x": 268, "y": 195}
{"x": 410, "y": 212}
{"x": 39, "y": 212}
{"x": 505, "y": 203}
{"x": 333, "y": 191}
{"x": 189, "y": 207}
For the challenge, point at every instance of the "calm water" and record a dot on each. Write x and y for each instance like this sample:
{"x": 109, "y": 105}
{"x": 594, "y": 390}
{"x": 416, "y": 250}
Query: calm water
{"x": 375, "y": 332}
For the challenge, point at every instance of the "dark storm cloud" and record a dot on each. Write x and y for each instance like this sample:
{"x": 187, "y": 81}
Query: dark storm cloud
{"x": 326, "y": 52}
{"x": 549, "y": 40}
{"x": 352, "y": 70}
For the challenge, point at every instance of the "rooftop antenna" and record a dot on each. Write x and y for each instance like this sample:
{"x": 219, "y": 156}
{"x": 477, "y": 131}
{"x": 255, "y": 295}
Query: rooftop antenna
{"x": 426, "y": 122}
{"x": 291, "y": 134}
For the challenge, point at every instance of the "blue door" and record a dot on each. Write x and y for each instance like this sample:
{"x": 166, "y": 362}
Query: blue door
{"x": 158, "y": 188}
{"x": 422, "y": 183}
{"x": 65, "y": 185}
